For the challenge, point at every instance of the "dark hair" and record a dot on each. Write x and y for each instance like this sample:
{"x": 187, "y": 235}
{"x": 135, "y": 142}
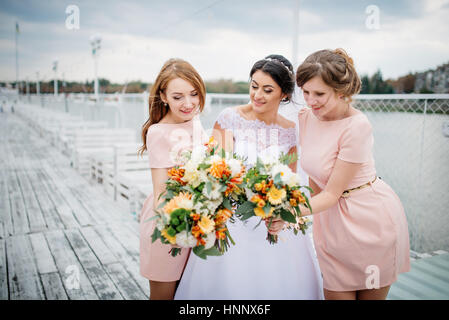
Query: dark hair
{"x": 280, "y": 70}
{"x": 336, "y": 69}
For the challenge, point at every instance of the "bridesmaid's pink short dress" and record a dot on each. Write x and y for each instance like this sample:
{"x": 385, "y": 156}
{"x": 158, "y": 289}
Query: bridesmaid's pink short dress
{"x": 164, "y": 142}
{"x": 363, "y": 240}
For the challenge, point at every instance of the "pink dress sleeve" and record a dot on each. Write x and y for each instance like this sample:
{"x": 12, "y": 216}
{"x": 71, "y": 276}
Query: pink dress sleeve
{"x": 302, "y": 118}
{"x": 356, "y": 141}
{"x": 159, "y": 147}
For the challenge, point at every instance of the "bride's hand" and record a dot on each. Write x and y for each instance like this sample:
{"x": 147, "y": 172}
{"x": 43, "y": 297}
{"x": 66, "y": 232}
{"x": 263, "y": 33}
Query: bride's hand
{"x": 276, "y": 225}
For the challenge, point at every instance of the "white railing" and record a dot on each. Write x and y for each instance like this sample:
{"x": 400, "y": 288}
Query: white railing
{"x": 411, "y": 148}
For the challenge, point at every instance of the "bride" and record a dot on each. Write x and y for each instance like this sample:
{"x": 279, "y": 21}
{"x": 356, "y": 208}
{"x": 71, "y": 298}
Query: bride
{"x": 253, "y": 268}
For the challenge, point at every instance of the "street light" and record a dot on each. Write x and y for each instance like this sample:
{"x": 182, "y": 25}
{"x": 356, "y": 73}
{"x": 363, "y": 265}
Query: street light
{"x": 38, "y": 88}
{"x": 95, "y": 42}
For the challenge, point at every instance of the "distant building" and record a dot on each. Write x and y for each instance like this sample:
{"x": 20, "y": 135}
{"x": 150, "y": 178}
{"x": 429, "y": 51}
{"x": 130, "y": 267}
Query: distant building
{"x": 436, "y": 81}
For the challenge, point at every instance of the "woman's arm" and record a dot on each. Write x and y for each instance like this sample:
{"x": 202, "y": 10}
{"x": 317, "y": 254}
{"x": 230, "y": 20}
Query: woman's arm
{"x": 314, "y": 186}
{"x": 294, "y": 164}
{"x": 158, "y": 176}
{"x": 224, "y": 137}
{"x": 342, "y": 174}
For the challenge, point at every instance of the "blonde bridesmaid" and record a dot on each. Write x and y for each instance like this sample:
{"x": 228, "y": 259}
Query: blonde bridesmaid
{"x": 360, "y": 228}
{"x": 176, "y": 97}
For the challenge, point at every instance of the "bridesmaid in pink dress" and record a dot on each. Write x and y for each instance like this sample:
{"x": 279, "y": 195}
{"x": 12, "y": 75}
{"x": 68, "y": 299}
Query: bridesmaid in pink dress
{"x": 177, "y": 95}
{"x": 359, "y": 227}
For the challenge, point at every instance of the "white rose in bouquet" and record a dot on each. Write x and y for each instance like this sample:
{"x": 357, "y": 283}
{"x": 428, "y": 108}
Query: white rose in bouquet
{"x": 186, "y": 240}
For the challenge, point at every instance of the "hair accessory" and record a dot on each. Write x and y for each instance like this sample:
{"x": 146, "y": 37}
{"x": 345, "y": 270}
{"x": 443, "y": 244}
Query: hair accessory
{"x": 271, "y": 59}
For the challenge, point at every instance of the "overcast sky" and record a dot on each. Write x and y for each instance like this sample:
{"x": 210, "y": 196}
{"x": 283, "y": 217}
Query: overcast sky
{"x": 222, "y": 39}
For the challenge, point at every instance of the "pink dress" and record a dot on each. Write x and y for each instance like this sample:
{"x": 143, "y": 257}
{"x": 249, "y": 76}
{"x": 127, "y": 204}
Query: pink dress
{"x": 164, "y": 142}
{"x": 363, "y": 239}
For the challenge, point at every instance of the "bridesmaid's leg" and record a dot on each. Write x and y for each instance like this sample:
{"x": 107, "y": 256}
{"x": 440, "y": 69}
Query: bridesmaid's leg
{"x": 373, "y": 294}
{"x": 162, "y": 290}
{"x": 340, "y": 295}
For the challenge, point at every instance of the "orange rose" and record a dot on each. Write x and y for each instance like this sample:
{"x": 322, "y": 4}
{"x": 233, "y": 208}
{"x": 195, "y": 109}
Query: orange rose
{"x": 219, "y": 169}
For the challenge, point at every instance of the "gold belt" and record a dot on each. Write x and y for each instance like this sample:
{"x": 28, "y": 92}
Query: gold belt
{"x": 345, "y": 193}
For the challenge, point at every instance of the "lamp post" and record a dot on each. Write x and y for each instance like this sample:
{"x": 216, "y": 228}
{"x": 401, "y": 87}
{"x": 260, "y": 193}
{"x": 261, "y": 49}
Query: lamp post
{"x": 38, "y": 88}
{"x": 95, "y": 42}
{"x": 17, "y": 58}
{"x": 55, "y": 69}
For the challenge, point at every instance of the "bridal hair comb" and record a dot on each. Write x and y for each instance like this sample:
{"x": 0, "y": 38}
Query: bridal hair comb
{"x": 271, "y": 59}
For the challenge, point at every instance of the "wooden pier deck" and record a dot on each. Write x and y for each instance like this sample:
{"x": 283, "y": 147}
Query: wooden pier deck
{"x": 60, "y": 237}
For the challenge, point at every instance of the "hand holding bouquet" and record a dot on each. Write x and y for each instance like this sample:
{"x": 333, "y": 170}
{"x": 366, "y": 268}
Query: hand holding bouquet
{"x": 272, "y": 191}
{"x": 198, "y": 201}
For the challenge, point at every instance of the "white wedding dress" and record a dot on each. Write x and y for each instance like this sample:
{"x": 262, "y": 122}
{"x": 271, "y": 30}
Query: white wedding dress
{"x": 253, "y": 269}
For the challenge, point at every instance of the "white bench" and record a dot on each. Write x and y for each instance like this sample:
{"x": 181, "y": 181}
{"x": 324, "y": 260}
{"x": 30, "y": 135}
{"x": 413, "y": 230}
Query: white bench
{"x": 45, "y": 122}
{"x": 128, "y": 171}
{"x": 65, "y": 133}
{"x": 95, "y": 141}
{"x": 142, "y": 192}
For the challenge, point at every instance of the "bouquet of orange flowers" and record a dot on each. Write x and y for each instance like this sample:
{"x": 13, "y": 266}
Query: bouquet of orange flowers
{"x": 199, "y": 200}
{"x": 272, "y": 190}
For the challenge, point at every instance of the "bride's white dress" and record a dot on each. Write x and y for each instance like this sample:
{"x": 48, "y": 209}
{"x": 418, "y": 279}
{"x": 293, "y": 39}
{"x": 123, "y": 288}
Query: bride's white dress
{"x": 253, "y": 268}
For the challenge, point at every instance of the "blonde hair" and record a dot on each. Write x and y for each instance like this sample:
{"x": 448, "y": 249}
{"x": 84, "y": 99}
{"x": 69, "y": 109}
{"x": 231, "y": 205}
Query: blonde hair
{"x": 172, "y": 69}
{"x": 336, "y": 69}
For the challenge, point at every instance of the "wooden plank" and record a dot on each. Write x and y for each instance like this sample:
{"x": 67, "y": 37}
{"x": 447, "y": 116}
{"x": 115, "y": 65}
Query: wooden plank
{"x": 399, "y": 293}
{"x": 437, "y": 288}
{"x": 69, "y": 267}
{"x": 92, "y": 209}
{"x": 24, "y": 281}
{"x": 134, "y": 227}
{"x": 130, "y": 263}
{"x": 442, "y": 261}
{"x": 102, "y": 205}
{"x": 53, "y": 287}
{"x": 3, "y": 272}
{"x": 62, "y": 208}
{"x": 34, "y": 213}
{"x": 5, "y": 205}
{"x": 125, "y": 284}
{"x": 44, "y": 259}
{"x": 129, "y": 240}
{"x": 427, "y": 266}
{"x": 80, "y": 212}
{"x": 105, "y": 288}
{"x": 102, "y": 252}
{"x": 417, "y": 289}
{"x": 18, "y": 214}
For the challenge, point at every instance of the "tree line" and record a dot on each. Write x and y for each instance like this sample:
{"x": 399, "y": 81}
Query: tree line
{"x": 374, "y": 84}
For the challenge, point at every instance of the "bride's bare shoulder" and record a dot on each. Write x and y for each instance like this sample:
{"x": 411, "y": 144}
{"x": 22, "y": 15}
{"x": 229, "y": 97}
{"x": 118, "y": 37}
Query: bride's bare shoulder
{"x": 285, "y": 123}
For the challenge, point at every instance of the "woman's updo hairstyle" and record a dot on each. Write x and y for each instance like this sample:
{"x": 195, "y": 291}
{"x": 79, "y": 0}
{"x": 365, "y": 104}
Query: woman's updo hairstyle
{"x": 280, "y": 70}
{"x": 336, "y": 69}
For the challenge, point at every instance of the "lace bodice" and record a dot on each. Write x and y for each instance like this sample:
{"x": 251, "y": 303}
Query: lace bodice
{"x": 254, "y": 138}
